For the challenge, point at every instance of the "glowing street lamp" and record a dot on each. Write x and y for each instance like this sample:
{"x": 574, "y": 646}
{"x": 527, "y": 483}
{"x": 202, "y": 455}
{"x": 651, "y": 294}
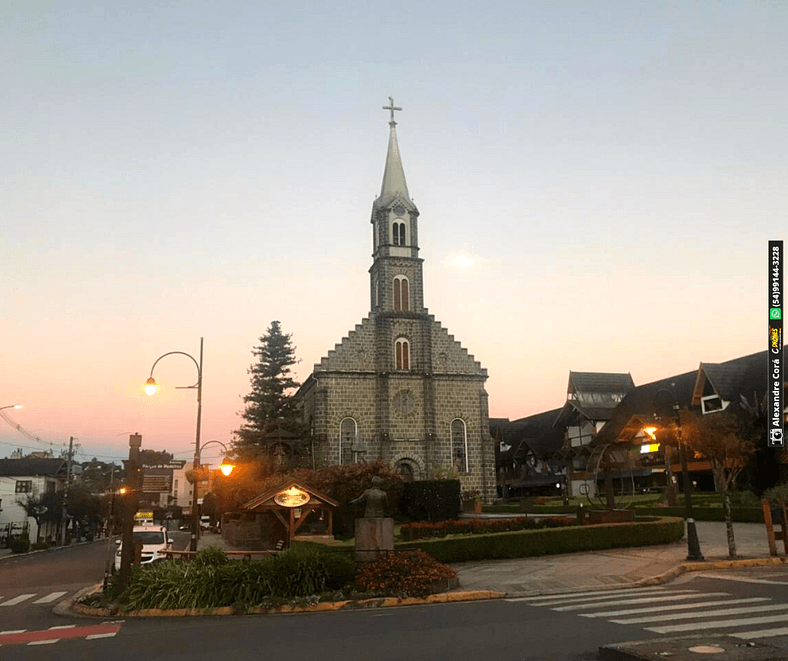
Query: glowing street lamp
{"x": 11, "y": 406}
{"x": 151, "y": 388}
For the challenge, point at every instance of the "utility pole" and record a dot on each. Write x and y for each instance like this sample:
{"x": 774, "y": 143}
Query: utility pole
{"x": 130, "y": 508}
{"x": 64, "y": 508}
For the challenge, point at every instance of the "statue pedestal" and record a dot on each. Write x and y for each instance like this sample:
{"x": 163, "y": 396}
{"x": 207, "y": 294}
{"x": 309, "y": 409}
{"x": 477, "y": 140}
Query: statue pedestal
{"x": 373, "y": 538}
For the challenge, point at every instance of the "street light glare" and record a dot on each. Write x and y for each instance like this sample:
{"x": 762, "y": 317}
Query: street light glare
{"x": 151, "y": 387}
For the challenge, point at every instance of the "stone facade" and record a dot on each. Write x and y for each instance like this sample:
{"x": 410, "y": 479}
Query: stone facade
{"x": 399, "y": 387}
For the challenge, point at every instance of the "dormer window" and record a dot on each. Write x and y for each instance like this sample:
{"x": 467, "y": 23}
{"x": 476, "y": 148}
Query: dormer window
{"x": 401, "y": 294}
{"x": 712, "y": 404}
{"x": 398, "y": 237}
{"x": 402, "y": 354}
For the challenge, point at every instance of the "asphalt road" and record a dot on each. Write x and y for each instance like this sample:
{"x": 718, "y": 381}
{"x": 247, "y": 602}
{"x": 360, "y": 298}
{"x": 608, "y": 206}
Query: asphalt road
{"x": 558, "y": 628}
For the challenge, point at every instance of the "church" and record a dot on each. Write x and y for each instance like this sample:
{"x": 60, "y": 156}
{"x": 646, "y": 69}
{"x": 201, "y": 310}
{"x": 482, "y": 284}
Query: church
{"x": 399, "y": 388}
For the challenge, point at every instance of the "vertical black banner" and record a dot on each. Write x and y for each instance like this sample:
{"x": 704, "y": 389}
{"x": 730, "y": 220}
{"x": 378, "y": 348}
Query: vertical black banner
{"x": 776, "y": 405}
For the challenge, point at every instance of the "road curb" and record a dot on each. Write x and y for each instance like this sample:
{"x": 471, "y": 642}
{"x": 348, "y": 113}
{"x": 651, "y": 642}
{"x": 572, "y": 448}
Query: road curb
{"x": 706, "y": 566}
{"x": 324, "y": 606}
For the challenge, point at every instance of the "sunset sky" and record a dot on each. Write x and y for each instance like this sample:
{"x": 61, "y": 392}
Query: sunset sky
{"x": 597, "y": 184}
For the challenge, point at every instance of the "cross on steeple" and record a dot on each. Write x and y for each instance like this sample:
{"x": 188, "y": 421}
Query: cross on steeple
{"x": 392, "y": 108}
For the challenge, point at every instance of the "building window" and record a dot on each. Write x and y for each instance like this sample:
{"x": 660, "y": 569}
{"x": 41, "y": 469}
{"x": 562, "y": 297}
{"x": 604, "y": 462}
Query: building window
{"x": 402, "y": 354}
{"x": 401, "y": 294}
{"x": 459, "y": 446}
{"x": 406, "y": 471}
{"x": 24, "y": 486}
{"x": 398, "y": 233}
{"x": 348, "y": 430}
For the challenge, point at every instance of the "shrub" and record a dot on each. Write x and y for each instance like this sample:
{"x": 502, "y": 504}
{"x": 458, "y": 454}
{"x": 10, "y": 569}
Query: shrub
{"x": 210, "y": 556}
{"x": 779, "y": 492}
{"x": 410, "y": 574}
{"x": 424, "y": 530}
{"x": 431, "y": 500}
{"x": 569, "y": 539}
{"x": 301, "y": 571}
{"x": 20, "y": 544}
{"x": 39, "y": 546}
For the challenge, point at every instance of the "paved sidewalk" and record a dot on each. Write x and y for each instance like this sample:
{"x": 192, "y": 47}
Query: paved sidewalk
{"x": 613, "y": 567}
{"x": 599, "y": 569}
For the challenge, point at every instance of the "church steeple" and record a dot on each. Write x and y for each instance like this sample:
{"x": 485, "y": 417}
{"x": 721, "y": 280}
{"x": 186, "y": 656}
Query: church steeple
{"x": 396, "y": 280}
{"x": 394, "y": 184}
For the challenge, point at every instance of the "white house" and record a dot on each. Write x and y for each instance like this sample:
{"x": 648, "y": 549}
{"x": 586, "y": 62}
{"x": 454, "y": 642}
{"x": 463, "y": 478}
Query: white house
{"x": 21, "y": 479}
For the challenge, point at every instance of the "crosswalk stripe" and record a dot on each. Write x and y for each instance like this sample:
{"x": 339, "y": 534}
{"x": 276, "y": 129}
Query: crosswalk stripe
{"x": 62, "y": 626}
{"x": 594, "y": 593}
{"x": 763, "y": 633}
{"x": 675, "y": 607}
{"x": 705, "y": 613}
{"x": 643, "y": 600}
{"x": 99, "y": 635}
{"x": 17, "y": 600}
{"x": 600, "y": 596}
{"x": 43, "y": 642}
{"x": 744, "y": 579}
{"x": 722, "y": 624}
{"x": 3, "y": 633}
{"x": 49, "y": 598}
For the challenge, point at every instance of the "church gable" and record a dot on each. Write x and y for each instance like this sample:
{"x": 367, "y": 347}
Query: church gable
{"x": 355, "y": 353}
{"x": 449, "y": 356}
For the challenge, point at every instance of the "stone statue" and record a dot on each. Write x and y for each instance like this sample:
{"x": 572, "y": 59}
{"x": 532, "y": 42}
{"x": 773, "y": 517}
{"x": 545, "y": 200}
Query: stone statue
{"x": 376, "y": 500}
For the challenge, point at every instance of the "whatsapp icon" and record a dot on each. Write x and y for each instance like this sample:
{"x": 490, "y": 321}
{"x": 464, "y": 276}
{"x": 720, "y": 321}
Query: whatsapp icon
{"x": 775, "y": 313}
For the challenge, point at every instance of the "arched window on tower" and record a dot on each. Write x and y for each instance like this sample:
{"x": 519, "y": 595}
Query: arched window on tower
{"x": 398, "y": 237}
{"x": 401, "y": 294}
{"x": 348, "y": 431}
{"x": 459, "y": 446}
{"x": 402, "y": 354}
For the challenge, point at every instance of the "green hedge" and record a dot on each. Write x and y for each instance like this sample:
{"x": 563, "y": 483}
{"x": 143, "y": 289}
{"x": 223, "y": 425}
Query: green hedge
{"x": 547, "y": 542}
{"x": 739, "y": 514}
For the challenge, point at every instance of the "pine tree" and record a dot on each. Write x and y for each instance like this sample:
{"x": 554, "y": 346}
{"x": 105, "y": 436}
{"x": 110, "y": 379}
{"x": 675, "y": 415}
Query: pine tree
{"x": 272, "y": 421}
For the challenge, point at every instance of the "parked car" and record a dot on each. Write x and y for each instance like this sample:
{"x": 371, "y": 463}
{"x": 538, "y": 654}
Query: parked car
{"x": 154, "y": 540}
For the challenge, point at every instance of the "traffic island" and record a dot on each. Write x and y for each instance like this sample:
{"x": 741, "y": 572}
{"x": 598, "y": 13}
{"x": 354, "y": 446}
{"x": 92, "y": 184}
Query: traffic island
{"x": 692, "y": 648}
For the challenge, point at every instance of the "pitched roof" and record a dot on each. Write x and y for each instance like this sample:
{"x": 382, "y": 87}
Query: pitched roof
{"x": 647, "y": 400}
{"x": 745, "y": 376}
{"x": 536, "y": 431}
{"x": 600, "y": 382}
{"x": 268, "y": 495}
{"x": 394, "y": 186}
{"x": 32, "y": 467}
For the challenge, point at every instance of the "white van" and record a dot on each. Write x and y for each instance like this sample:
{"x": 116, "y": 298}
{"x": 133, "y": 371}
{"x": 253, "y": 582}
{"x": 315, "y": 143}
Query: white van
{"x": 155, "y": 542}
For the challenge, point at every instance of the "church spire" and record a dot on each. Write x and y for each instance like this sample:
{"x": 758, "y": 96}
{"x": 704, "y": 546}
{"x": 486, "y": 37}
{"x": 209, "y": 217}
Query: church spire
{"x": 394, "y": 185}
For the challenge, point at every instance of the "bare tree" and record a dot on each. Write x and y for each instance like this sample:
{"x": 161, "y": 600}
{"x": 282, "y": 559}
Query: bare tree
{"x": 719, "y": 438}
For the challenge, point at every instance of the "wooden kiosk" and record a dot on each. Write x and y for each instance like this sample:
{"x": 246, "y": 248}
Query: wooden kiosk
{"x": 291, "y": 504}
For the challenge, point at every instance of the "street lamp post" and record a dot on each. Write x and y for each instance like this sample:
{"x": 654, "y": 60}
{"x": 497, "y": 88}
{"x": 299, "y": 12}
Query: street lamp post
{"x": 226, "y": 466}
{"x": 151, "y": 388}
{"x": 693, "y": 544}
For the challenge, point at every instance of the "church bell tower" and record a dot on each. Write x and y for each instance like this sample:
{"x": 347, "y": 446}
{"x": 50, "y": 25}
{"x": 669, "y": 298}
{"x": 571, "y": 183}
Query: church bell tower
{"x": 396, "y": 283}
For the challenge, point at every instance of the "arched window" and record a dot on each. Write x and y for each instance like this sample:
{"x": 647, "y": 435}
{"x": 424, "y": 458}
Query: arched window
{"x": 398, "y": 237}
{"x": 348, "y": 431}
{"x": 401, "y": 294}
{"x": 402, "y": 354}
{"x": 405, "y": 470}
{"x": 459, "y": 446}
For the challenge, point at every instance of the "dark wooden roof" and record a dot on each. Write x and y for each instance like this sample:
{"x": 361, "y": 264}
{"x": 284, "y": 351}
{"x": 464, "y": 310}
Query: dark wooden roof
{"x": 646, "y": 401}
{"x": 536, "y": 431}
{"x": 32, "y": 467}
{"x": 600, "y": 382}
{"x": 745, "y": 376}
{"x": 268, "y": 495}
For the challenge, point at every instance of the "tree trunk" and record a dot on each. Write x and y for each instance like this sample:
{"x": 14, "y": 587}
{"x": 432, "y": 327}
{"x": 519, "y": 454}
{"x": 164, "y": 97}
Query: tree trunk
{"x": 729, "y": 526}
